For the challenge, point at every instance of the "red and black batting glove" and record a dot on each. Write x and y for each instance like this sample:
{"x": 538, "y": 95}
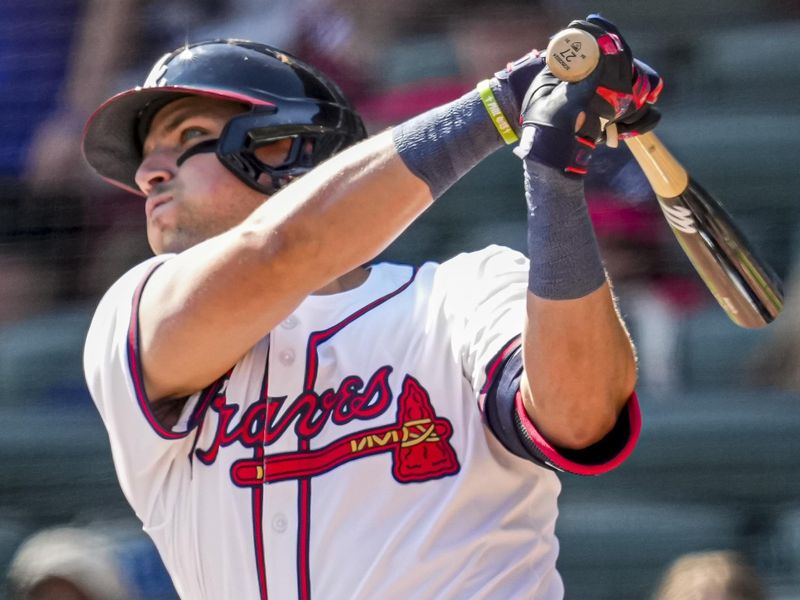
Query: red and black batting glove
{"x": 620, "y": 90}
{"x": 647, "y": 86}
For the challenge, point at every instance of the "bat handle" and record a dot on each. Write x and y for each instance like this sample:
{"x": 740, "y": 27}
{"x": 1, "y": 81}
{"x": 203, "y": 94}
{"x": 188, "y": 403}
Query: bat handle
{"x": 666, "y": 175}
{"x": 572, "y": 55}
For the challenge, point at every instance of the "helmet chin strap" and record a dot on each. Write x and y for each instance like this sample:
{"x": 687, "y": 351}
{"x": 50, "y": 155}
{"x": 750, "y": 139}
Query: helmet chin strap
{"x": 254, "y": 172}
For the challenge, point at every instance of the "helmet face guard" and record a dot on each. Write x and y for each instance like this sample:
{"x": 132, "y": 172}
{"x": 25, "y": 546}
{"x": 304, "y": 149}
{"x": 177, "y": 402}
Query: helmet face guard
{"x": 316, "y": 135}
{"x": 287, "y": 99}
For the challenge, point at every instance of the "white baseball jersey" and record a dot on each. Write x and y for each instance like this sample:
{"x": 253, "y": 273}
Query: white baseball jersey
{"x": 347, "y": 454}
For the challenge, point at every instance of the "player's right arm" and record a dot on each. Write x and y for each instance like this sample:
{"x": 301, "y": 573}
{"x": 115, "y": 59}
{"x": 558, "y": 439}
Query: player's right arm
{"x": 204, "y": 308}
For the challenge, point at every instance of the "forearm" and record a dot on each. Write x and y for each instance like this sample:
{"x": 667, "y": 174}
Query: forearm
{"x": 340, "y": 216}
{"x": 389, "y": 185}
{"x": 579, "y": 362}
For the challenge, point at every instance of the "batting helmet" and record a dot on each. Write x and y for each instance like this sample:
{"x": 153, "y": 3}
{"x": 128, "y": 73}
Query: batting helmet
{"x": 287, "y": 99}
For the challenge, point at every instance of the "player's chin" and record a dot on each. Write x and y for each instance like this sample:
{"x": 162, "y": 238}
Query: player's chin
{"x": 166, "y": 241}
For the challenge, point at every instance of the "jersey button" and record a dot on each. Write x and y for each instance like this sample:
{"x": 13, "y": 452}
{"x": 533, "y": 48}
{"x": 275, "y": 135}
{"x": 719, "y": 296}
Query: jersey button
{"x": 286, "y": 356}
{"x": 280, "y": 522}
{"x": 290, "y": 322}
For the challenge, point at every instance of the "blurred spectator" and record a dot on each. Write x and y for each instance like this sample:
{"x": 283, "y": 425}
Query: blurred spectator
{"x": 718, "y": 575}
{"x": 74, "y": 54}
{"x": 90, "y": 63}
{"x": 776, "y": 363}
{"x": 57, "y": 57}
{"x": 27, "y": 285}
{"x": 345, "y": 39}
{"x": 35, "y": 37}
{"x": 490, "y": 33}
{"x": 426, "y": 63}
{"x": 65, "y": 564}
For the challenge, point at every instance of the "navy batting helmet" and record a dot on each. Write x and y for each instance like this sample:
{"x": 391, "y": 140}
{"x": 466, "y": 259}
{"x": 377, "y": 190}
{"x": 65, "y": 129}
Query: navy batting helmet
{"x": 287, "y": 99}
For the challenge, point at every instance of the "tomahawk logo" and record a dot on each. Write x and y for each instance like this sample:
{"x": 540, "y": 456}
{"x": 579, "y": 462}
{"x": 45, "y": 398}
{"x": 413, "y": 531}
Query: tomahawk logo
{"x": 679, "y": 217}
{"x": 157, "y": 78}
{"x": 418, "y": 439}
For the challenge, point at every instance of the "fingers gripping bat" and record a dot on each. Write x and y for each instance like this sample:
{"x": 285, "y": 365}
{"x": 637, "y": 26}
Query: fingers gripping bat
{"x": 744, "y": 286}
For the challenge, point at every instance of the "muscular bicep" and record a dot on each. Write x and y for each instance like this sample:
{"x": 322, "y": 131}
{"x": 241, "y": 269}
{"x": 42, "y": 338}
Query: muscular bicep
{"x": 198, "y": 315}
{"x": 207, "y": 306}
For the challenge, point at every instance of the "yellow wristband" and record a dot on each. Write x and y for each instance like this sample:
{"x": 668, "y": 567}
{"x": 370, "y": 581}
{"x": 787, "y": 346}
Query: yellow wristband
{"x": 495, "y": 114}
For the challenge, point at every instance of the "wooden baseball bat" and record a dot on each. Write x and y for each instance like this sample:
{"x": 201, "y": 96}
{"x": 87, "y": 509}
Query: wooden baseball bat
{"x": 745, "y": 287}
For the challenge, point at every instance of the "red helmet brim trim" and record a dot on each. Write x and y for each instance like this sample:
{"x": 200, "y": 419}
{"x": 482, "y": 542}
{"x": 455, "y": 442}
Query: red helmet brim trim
{"x": 109, "y": 142}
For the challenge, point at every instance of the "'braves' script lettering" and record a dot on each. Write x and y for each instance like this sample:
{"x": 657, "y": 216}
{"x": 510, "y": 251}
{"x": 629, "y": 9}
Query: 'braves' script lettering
{"x": 309, "y": 412}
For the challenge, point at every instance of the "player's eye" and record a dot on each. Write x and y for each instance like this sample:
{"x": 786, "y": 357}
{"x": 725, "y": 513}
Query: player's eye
{"x": 191, "y": 133}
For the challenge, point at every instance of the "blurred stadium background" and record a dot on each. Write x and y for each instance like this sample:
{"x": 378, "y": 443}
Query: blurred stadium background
{"x": 718, "y": 465}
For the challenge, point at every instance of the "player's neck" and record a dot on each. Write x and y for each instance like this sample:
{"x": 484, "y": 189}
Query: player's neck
{"x": 348, "y": 281}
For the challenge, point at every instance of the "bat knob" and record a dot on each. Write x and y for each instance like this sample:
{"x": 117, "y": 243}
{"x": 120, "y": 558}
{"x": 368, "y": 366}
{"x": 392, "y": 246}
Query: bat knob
{"x": 572, "y": 54}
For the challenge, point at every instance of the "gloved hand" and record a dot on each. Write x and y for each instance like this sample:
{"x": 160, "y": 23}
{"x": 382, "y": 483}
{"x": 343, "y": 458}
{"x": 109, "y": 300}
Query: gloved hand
{"x": 562, "y": 122}
{"x": 512, "y": 83}
{"x": 647, "y": 86}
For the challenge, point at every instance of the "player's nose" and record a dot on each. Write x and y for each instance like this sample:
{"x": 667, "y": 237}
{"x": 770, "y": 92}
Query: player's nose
{"x": 156, "y": 168}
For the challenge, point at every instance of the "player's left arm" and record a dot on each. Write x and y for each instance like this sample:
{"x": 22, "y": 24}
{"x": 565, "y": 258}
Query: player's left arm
{"x": 579, "y": 363}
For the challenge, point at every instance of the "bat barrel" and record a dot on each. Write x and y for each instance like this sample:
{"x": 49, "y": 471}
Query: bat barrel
{"x": 744, "y": 286}
{"x": 572, "y": 54}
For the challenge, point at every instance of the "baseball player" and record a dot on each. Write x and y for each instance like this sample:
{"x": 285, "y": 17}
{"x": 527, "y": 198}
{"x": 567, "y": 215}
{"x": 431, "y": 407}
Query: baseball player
{"x": 288, "y": 423}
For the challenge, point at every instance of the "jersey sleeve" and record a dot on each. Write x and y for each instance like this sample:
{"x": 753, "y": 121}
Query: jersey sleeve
{"x": 485, "y": 304}
{"x": 143, "y": 448}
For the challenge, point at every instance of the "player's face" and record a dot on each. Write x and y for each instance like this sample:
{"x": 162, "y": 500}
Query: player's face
{"x": 199, "y": 199}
